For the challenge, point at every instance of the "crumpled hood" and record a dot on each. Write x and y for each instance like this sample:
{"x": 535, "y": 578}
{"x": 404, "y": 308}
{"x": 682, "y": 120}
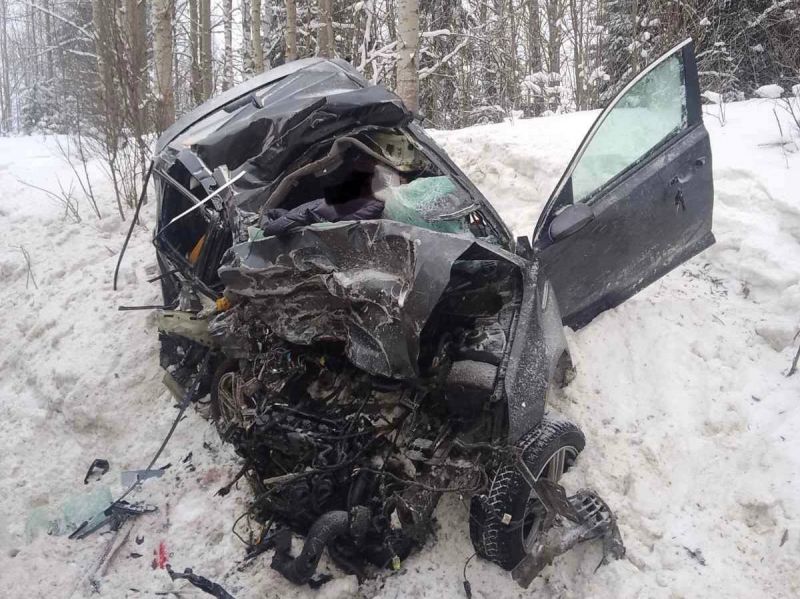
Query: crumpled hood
{"x": 371, "y": 284}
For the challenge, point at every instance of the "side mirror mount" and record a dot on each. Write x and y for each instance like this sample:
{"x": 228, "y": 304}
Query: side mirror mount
{"x": 570, "y": 220}
{"x": 524, "y": 248}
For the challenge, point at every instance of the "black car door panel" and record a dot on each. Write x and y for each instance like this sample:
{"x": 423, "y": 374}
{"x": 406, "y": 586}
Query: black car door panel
{"x": 637, "y": 217}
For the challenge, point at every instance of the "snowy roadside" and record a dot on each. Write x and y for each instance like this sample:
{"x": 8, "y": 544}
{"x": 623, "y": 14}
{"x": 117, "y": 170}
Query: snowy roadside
{"x": 691, "y": 424}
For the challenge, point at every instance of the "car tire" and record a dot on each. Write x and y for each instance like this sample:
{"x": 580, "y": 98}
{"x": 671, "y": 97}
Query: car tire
{"x": 506, "y": 544}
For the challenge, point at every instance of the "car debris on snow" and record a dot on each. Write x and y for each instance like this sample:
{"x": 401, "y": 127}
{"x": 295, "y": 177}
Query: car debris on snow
{"x": 201, "y": 582}
{"x": 98, "y": 468}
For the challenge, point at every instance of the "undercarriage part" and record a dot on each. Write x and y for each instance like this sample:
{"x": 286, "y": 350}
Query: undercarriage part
{"x": 326, "y": 529}
{"x": 173, "y": 386}
{"x": 469, "y": 387}
{"x": 417, "y": 506}
{"x": 593, "y": 520}
{"x": 114, "y": 516}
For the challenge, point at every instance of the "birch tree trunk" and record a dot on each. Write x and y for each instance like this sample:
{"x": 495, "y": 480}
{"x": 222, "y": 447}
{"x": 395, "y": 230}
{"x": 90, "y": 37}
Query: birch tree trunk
{"x": 534, "y": 37}
{"x": 291, "y": 30}
{"x": 103, "y": 19}
{"x": 255, "y": 34}
{"x": 535, "y": 50}
{"x": 136, "y": 32}
{"x": 227, "y": 65}
{"x": 163, "y": 11}
{"x": 247, "y": 44}
{"x": 5, "y": 96}
{"x": 407, "y": 42}
{"x": 105, "y": 56}
{"x": 194, "y": 51}
{"x": 32, "y": 55}
{"x": 555, "y": 11}
{"x": 48, "y": 33}
{"x": 206, "y": 74}
{"x": 576, "y": 21}
{"x": 325, "y": 40}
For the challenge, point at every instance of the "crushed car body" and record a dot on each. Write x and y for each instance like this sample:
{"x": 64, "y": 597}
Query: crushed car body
{"x": 369, "y": 331}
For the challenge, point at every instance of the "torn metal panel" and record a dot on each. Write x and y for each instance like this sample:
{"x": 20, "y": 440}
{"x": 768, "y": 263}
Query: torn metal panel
{"x": 184, "y": 324}
{"x": 241, "y": 93}
{"x": 370, "y": 284}
{"x": 262, "y": 133}
{"x": 583, "y": 517}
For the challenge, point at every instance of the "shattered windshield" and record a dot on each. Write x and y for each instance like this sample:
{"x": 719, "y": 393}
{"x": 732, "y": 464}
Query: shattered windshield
{"x": 433, "y": 203}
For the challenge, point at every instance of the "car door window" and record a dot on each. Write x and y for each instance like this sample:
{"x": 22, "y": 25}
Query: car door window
{"x": 652, "y": 111}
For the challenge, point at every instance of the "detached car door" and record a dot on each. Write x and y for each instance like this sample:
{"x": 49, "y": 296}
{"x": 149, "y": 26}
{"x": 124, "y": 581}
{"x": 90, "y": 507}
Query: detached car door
{"x": 636, "y": 199}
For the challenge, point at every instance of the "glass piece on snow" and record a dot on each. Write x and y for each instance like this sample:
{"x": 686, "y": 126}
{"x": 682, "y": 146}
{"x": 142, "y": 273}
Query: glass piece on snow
{"x": 73, "y": 512}
{"x": 431, "y": 202}
{"x": 652, "y": 111}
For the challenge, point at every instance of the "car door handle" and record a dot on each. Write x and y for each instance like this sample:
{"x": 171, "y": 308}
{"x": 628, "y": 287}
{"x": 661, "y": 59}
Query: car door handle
{"x": 680, "y": 203}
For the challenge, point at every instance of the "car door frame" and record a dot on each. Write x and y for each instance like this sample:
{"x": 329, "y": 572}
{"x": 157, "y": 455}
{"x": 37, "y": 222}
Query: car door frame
{"x": 694, "y": 116}
{"x": 562, "y": 195}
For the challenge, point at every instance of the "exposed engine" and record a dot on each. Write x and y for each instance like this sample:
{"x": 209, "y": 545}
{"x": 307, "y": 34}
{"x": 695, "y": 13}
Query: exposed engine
{"x": 357, "y": 462}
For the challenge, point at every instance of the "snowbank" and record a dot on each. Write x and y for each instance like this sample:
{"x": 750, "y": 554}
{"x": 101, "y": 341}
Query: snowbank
{"x": 691, "y": 425}
{"x": 771, "y": 91}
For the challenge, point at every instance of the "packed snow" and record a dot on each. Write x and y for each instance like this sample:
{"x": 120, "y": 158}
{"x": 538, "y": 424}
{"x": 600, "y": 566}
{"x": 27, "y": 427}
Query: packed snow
{"x": 771, "y": 91}
{"x": 691, "y": 422}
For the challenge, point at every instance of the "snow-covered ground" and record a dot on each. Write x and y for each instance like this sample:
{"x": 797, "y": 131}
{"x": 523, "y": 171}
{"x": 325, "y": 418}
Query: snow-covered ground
{"x": 692, "y": 425}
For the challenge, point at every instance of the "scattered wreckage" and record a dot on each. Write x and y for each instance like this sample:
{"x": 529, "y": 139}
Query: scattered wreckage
{"x": 365, "y": 361}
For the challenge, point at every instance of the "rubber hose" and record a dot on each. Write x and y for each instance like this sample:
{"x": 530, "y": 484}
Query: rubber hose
{"x": 327, "y": 527}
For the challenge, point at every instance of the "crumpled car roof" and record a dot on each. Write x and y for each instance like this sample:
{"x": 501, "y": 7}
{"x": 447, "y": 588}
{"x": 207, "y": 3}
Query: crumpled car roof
{"x": 265, "y": 124}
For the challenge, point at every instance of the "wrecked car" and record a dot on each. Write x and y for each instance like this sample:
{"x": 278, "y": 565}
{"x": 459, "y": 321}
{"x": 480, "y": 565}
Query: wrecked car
{"x": 370, "y": 333}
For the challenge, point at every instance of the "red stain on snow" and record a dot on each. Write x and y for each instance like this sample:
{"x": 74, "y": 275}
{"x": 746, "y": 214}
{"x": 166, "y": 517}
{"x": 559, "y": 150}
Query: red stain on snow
{"x": 160, "y": 556}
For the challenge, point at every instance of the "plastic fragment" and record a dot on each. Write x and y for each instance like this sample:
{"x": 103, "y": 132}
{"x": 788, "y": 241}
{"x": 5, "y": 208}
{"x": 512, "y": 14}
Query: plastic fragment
{"x": 201, "y": 582}
{"x": 98, "y": 464}
{"x": 130, "y": 477}
{"x": 468, "y": 589}
{"x": 222, "y": 304}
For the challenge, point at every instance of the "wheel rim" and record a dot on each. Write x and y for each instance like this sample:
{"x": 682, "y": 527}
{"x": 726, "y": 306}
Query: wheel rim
{"x": 553, "y": 469}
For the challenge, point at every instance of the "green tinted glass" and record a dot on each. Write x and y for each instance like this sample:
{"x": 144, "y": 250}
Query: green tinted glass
{"x": 653, "y": 110}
